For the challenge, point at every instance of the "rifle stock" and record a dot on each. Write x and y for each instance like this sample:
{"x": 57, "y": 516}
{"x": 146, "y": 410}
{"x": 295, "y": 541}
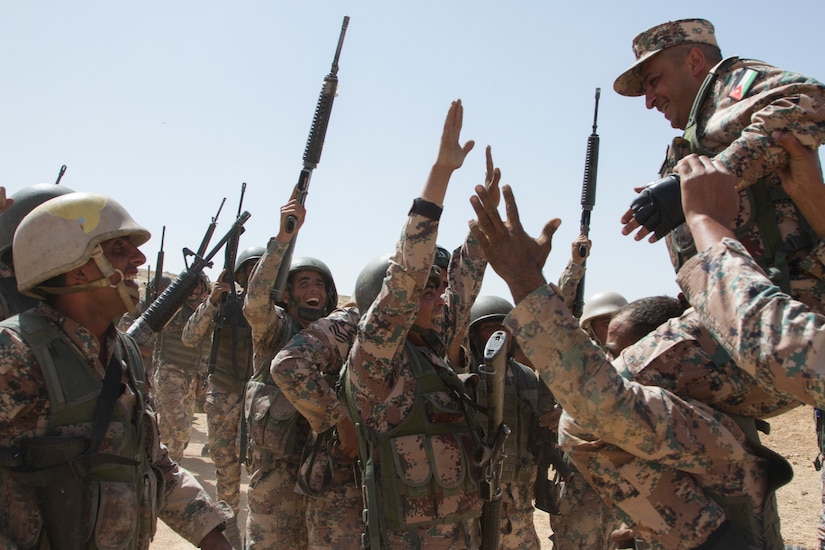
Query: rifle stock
{"x": 312, "y": 155}
{"x": 588, "y": 199}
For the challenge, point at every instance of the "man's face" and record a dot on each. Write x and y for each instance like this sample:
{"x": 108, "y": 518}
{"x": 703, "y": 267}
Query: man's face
{"x": 670, "y": 86}
{"x": 307, "y": 290}
{"x": 598, "y": 326}
{"x": 430, "y": 307}
{"x": 125, "y": 257}
{"x": 483, "y": 331}
{"x": 620, "y": 335}
{"x": 245, "y": 272}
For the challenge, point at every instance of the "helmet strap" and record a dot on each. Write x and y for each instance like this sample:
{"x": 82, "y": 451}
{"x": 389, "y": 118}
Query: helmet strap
{"x": 107, "y": 270}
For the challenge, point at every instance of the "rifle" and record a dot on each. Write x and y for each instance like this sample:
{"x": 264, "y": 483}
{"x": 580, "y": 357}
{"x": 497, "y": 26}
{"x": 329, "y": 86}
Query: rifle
{"x": 153, "y": 289}
{"x": 164, "y": 307}
{"x": 312, "y": 156}
{"x": 588, "y": 201}
{"x": 491, "y": 455}
{"x": 229, "y": 306}
{"x": 211, "y": 229}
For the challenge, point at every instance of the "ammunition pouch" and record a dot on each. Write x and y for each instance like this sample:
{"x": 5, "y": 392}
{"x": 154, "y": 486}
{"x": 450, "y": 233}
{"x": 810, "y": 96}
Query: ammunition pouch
{"x": 272, "y": 421}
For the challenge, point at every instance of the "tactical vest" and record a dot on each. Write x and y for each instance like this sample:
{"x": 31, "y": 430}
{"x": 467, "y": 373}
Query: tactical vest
{"x": 520, "y": 402}
{"x": 170, "y": 349}
{"x": 272, "y": 422}
{"x": 760, "y": 198}
{"x": 11, "y": 300}
{"x": 113, "y": 496}
{"x": 233, "y": 364}
{"x": 406, "y": 480}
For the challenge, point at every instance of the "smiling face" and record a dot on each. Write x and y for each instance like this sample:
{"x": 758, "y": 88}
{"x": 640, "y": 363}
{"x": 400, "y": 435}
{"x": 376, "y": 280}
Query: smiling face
{"x": 308, "y": 290}
{"x": 430, "y": 306}
{"x": 125, "y": 258}
{"x": 671, "y": 81}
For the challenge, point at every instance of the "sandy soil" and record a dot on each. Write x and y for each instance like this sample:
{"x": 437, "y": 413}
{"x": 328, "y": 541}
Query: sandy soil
{"x": 792, "y": 435}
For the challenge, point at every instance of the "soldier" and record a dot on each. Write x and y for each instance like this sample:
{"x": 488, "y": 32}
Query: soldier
{"x": 177, "y": 375}
{"x": 82, "y": 464}
{"x": 307, "y": 370}
{"x": 784, "y": 352}
{"x": 416, "y": 431}
{"x": 277, "y": 433}
{"x": 521, "y": 412}
{"x": 728, "y": 109}
{"x": 232, "y": 360}
{"x": 596, "y": 314}
{"x": 685, "y": 441}
{"x": 16, "y": 207}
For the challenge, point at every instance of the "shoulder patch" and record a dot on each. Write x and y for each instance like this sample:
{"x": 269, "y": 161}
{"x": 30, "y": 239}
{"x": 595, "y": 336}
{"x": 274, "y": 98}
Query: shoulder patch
{"x": 743, "y": 84}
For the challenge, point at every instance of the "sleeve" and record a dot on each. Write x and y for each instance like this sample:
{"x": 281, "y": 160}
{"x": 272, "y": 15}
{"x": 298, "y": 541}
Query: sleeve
{"x": 299, "y": 367}
{"x": 188, "y": 509}
{"x": 780, "y": 100}
{"x": 199, "y": 325}
{"x": 258, "y": 308}
{"x": 771, "y": 336}
{"x": 383, "y": 328}
{"x": 569, "y": 282}
{"x": 646, "y": 421}
{"x": 464, "y": 275}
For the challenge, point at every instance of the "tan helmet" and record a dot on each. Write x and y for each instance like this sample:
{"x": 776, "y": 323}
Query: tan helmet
{"x": 600, "y": 304}
{"x": 64, "y": 233}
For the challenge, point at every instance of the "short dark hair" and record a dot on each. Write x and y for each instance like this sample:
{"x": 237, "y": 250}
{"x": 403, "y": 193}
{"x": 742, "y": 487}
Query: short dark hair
{"x": 646, "y": 314}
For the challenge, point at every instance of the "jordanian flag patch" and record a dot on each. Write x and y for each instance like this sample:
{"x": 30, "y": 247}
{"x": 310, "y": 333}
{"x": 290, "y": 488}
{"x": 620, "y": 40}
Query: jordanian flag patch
{"x": 743, "y": 84}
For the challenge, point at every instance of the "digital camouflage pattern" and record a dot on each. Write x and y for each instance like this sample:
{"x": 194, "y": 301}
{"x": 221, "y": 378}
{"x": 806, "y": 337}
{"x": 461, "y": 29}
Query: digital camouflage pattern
{"x": 384, "y": 387}
{"x": 276, "y": 512}
{"x": 223, "y": 413}
{"x": 776, "y": 339}
{"x": 584, "y": 520}
{"x": 652, "y": 41}
{"x": 24, "y": 412}
{"x": 661, "y": 432}
{"x": 306, "y": 370}
{"x": 737, "y": 133}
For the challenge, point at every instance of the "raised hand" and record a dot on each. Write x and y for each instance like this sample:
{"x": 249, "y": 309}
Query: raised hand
{"x": 451, "y": 153}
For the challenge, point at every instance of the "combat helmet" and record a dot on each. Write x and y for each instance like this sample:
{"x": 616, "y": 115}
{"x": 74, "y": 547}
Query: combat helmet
{"x": 600, "y": 304}
{"x": 319, "y": 267}
{"x": 25, "y": 201}
{"x": 486, "y": 308}
{"x": 369, "y": 282}
{"x": 246, "y": 255}
{"x": 64, "y": 233}
{"x": 442, "y": 258}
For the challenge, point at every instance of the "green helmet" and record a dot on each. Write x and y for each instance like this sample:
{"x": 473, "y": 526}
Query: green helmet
{"x": 600, "y": 304}
{"x": 489, "y": 308}
{"x": 370, "y": 281}
{"x": 251, "y": 253}
{"x": 25, "y": 201}
{"x": 442, "y": 257}
{"x": 316, "y": 265}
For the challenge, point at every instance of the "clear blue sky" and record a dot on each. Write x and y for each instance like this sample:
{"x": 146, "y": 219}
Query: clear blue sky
{"x": 169, "y": 106}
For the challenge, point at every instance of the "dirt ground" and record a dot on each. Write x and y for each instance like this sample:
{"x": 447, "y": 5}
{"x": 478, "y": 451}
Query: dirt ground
{"x": 792, "y": 435}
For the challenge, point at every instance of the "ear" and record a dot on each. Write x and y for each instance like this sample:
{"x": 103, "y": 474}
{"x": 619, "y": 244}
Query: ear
{"x": 77, "y": 276}
{"x": 697, "y": 63}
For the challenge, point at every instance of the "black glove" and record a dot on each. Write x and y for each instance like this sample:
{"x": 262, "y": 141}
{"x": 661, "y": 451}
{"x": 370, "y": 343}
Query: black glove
{"x": 659, "y": 206}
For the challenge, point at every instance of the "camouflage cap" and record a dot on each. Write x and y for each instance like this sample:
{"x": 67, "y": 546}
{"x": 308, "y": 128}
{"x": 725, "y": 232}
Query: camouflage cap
{"x": 656, "y": 39}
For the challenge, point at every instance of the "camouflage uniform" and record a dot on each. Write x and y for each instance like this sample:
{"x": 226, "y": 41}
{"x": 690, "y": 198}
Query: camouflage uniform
{"x": 306, "y": 370}
{"x": 383, "y": 388}
{"x": 583, "y": 520}
{"x": 177, "y": 370}
{"x": 26, "y": 412}
{"x": 647, "y": 428}
{"x": 276, "y": 512}
{"x": 772, "y": 337}
{"x": 223, "y": 406}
